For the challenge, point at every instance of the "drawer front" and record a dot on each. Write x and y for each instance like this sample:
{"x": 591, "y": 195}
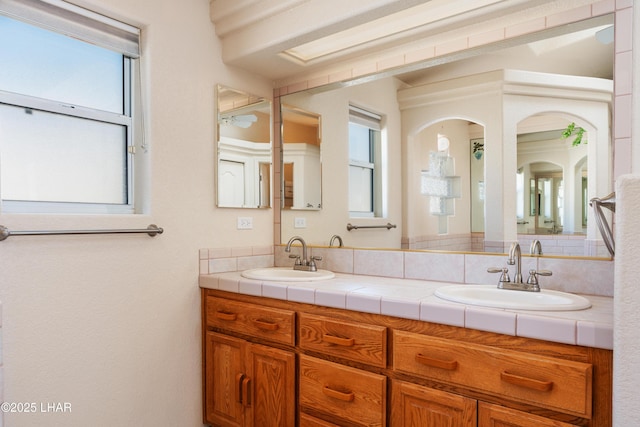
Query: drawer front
{"x": 352, "y": 341}
{"x": 494, "y": 415}
{"x": 250, "y": 319}
{"x": 351, "y": 394}
{"x": 415, "y": 405}
{"x": 557, "y": 384}
{"x": 307, "y": 420}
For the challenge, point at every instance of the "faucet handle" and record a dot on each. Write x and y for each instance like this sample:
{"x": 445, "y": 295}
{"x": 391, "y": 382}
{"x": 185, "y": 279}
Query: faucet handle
{"x": 313, "y": 259}
{"x": 297, "y": 257}
{"x": 533, "y": 276}
{"x": 504, "y": 277}
{"x": 312, "y": 262}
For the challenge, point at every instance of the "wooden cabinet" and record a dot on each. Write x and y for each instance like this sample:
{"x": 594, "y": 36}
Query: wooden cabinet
{"x": 415, "y": 405}
{"x": 274, "y": 363}
{"x": 248, "y": 383}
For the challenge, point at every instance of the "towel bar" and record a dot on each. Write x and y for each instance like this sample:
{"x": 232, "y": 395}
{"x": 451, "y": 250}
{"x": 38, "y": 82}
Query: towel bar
{"x": 388, "y": 226}
{"x": 152, "y": 230}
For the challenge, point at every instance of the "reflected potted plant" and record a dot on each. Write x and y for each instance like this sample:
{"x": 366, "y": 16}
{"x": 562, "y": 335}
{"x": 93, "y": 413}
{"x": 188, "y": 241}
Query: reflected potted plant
{"x": 478, "y": 149}
{"x": 573, "y": 130}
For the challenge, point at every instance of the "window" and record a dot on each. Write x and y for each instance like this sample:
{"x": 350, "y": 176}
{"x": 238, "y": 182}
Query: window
{"x": 364, "y": 163}
{"x": 67, "y": 96}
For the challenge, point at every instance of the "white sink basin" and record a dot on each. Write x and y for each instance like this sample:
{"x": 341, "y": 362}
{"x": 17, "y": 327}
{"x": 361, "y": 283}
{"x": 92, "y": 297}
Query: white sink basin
{"x": 491, "y": 296}
{"x": 287, "y": 274}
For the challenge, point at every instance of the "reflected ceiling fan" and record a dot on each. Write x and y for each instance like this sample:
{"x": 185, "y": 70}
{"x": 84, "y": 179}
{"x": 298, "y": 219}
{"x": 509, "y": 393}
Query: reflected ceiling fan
{"x": 242, "y": 120}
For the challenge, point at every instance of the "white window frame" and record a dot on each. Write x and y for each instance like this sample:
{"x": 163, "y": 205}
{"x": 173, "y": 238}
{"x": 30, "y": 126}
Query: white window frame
{"x": 373, "y": 121}
{"x": 80, "y": 23}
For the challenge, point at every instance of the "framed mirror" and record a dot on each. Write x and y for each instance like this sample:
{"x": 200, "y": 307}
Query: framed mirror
{"x": 244, "y": 150}
{"x": 301, "y": 161}
{"x": 576, "y": 52}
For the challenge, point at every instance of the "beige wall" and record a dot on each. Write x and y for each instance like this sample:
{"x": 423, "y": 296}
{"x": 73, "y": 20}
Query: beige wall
{"x": 111, "y": 324}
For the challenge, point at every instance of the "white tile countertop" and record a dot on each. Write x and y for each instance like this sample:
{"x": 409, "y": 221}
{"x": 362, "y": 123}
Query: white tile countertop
{"x": 415, "y": 299}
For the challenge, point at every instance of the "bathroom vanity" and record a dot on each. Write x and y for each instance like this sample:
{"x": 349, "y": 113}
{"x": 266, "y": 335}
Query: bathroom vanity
{"x": 271, "y": 361}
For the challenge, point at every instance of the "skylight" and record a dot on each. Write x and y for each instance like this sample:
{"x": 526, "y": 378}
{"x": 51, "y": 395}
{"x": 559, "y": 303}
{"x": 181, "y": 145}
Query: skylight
{"x": 389, "y": 25}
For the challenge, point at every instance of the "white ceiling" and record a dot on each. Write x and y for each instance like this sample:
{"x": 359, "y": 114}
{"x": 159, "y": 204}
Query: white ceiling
{"x": 261, "y": 35}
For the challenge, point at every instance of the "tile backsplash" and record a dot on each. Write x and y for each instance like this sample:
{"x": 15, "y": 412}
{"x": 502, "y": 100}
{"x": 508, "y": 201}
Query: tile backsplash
{"x": 578, "y": 275}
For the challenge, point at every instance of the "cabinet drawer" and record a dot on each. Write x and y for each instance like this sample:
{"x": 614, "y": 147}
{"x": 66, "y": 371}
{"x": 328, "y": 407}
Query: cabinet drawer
{"x": 494, "y": 415}
{"x": 351, "y": 394}
{"x": 415, "y": 405}
{"x": 307, "y": 420}
{"x": 353, "y": 341}
{"x": 557, "y": 384}
{"x": 250, "y": 319}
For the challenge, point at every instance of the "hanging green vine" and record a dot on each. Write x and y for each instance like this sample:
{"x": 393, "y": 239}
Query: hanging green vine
{"x": 573, "y": 130}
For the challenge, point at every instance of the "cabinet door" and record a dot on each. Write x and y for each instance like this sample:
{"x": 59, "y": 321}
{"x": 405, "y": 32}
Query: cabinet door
{"x": 414, "y": 405}
{"x": 498, "y": 416}
{"x": 223, "y": 380}
{"x": 272, "y": 376}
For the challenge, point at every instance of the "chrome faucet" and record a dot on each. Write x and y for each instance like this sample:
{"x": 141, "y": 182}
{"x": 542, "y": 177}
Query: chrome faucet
{"x": 515, "y": 258}
{"x": 305, "y": 264}
{"x": 536, "y": 247}
{"x": 336, "y": 237}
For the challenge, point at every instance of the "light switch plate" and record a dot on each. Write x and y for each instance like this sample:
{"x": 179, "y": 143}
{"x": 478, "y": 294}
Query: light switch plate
{"x": 300, "y": 222}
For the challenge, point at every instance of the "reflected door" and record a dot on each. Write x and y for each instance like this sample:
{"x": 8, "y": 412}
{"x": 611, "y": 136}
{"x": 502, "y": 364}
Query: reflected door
{"x": 231, "y": 185}
{"x": 265, "y": 184}
{"x": 549, "y": 201}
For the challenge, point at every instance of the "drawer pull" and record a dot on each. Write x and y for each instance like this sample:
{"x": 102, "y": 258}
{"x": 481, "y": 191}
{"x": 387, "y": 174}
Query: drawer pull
{"x": 223, "y": 315}
{"x": 246, "y": 394}
{"x": 526, "y": 382}
{"x": 345, "y": 397}
{"x": 266, "y": 326}
{"x": 332, "y": 339}
{"x": 449, "y": 365}
{"x": 239, "y": 378}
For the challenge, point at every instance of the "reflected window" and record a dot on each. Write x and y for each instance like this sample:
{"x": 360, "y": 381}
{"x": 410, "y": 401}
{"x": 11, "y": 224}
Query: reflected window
{"x": 364, "y": 163}
{"x": 66, "y": 110}
{"x": 520, "y": 194}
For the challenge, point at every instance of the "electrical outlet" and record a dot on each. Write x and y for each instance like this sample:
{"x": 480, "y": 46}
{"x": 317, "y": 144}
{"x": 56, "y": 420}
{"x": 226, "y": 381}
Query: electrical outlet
{"x": 245, "y": 223}
{"x": 300, "y": 223}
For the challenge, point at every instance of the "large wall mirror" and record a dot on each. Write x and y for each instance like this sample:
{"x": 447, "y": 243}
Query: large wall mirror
{"x": 512, "y": 169}
{"x": 244, "y": 150}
